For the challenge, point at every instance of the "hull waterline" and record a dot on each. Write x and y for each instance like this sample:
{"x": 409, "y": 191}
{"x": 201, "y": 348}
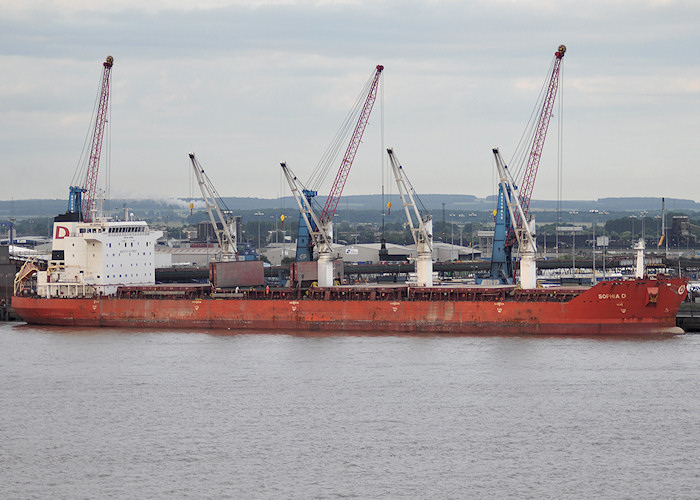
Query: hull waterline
{"x": 635, "y": 307}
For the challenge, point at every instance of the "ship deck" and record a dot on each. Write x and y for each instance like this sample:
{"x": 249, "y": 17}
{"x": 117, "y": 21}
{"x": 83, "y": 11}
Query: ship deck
{"x": 467, "y": 293}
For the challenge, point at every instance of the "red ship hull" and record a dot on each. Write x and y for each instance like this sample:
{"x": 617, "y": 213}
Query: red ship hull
{"x": 624, "y": 307}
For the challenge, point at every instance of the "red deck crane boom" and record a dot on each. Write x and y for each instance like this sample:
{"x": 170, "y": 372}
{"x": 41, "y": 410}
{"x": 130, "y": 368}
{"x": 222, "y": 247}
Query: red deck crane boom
{"x": 540, "y": 135}
{"x": 514, "y": 223}
{"x": 320, "y": 229}
{"x": 342, "y": 175}
{"x": 90, "y": 186}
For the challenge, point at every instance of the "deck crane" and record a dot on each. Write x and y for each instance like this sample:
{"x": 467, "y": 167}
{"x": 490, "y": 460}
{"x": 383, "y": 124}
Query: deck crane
{"x": 320, "y": 228}
{"x": 320, "y": 238}
{"x": 512, "y": 224}
{"x": 305, "y": 244}
{"x": 342, "y": 175}
{"x": 421, "y": 228}
{"x": 79, "y": 205}
{"x": 524, "y": 233}
{"x": 224, "y": 225}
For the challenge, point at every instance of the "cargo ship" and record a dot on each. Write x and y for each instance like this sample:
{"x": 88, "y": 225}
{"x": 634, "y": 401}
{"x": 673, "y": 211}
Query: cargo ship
{"x": 101, "y": 274}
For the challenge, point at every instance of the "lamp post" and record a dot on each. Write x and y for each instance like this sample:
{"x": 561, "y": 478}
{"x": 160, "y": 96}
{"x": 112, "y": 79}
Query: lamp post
{"x": 259, "y": 215}
{"x": 573, "y": 241}
{"x": 452, "y": 236}
{"x": 443, "y": 222}
{"x": 605, "y": 243}
{"x": 595, "y": 219}
{"x": 284, "y": 237}
{"x": 471, "y": 233}
{"x": 657, "y": 218}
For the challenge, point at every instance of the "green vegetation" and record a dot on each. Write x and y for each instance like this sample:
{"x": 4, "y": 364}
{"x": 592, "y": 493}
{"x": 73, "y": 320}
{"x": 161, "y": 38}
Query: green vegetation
{"x": 261, "y": 227}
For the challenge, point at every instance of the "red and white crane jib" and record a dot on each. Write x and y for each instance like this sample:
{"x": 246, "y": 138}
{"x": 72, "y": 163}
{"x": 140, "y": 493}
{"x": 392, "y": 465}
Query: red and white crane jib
{"x": 96, "y": 147}
{"x": 540, "y": 134}
{"x": 342, "y": 175}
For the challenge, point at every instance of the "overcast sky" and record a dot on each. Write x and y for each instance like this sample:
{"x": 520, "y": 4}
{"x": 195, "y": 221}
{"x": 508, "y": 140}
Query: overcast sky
{"x": 246, "y": 84}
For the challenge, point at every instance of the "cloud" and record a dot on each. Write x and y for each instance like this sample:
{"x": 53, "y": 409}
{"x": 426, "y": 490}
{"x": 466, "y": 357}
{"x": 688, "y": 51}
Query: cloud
{"x": 249, "y": 84}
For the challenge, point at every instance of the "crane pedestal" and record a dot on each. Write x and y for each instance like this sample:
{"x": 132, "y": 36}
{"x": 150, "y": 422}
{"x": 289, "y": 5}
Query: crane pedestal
{"x": 325, "y": 269}
{"x": 528, "y": 271}
{"x": 424, "y": 269}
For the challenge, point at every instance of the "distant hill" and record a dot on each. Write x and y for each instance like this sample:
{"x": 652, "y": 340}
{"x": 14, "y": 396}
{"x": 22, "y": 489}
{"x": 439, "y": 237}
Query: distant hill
{"x": 433, "y": 202}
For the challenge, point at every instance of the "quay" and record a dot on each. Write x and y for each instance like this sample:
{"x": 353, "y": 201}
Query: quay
{"x": 688, "y": 317}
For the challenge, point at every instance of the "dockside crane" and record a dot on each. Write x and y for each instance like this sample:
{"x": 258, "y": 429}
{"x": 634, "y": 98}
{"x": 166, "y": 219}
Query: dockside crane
{"x": 82, "y": 198}
{"x": 342, "y": 175}
{"x": 220, "y": 216}
{"x": 320, "y": 227}
{"x": 512, "y": 222}
{"x": 305, "y": 244}
{"x": 523, "y": 233}
{"x": 419, "y": 221}
{"x": 317, "y": 232}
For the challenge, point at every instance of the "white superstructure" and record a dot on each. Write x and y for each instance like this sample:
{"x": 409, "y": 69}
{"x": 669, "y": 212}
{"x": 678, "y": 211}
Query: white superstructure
{"x": 94, "y": 258}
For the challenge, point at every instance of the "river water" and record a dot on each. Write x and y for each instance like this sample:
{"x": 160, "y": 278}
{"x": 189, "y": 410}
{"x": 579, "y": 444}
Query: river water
{"x": 113, "y": 413}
